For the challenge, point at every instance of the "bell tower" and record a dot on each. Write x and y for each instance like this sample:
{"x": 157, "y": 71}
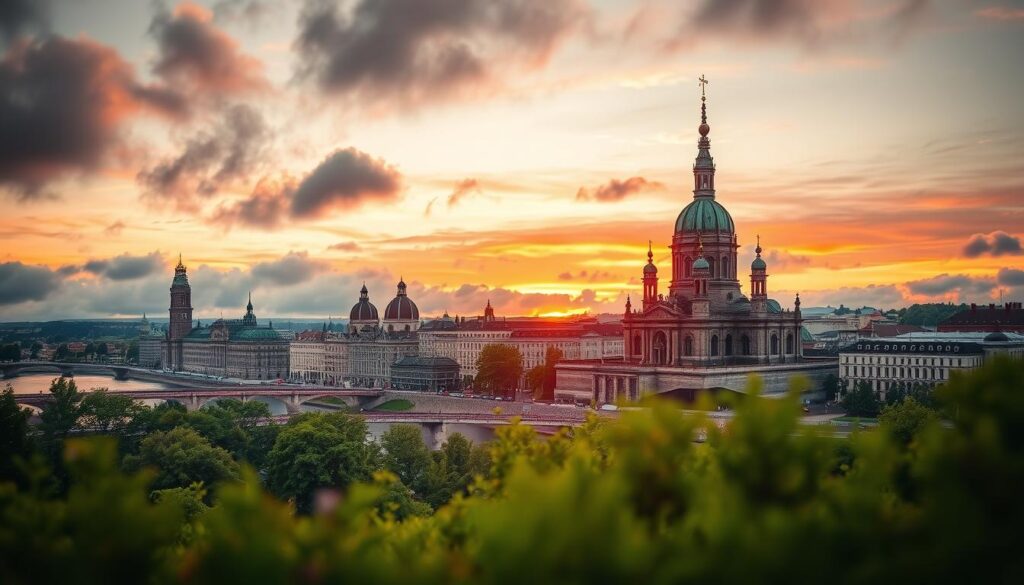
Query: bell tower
{"x": 758, "y": 283}
{"x": 180, "y": 311}
{"x": 650, "y": 279}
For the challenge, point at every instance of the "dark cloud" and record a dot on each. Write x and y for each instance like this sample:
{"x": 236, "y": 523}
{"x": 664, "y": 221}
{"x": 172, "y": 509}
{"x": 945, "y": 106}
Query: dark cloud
{"x": 415, "y": 51}
{"x": 125, "y": 266}
{"x": 211, "y": 159}
{"x": 248, "y": 11}
{"x": 292, "y": 268}
{"x": 20, "y": 16}
{"x": 616, "y": 190}
{"x": 62, "y": 103}
{"x": 345, "y": 179}
{"x": 20, "y": 283}
{"x": 945, "y": 284}
{"x": 194, "y": 52}
{"x": 1010, "y": 277}
{"x": 997, "y": 243}
{"x": 808, "y": 22}
{"x": 462, "y": 189}
{"x": 266, "y": 207}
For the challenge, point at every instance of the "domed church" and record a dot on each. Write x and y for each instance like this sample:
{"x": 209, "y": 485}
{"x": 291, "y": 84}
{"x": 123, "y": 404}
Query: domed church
{"x": 702, "y": 333}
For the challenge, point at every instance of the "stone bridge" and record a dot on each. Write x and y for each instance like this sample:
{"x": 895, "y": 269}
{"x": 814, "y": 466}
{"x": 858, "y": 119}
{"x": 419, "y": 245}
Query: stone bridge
{"x": 195, "y": 398}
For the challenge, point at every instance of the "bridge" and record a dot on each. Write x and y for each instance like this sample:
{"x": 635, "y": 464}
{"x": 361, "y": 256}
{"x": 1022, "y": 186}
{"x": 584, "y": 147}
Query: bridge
{"x": 194, "y": 398}
{"x": 117, "y": 371}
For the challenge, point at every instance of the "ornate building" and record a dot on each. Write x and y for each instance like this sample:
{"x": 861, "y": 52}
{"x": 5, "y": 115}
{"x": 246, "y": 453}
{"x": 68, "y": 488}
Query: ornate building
{"x": 233, "y": 348}
{"x": 703, "y": 333}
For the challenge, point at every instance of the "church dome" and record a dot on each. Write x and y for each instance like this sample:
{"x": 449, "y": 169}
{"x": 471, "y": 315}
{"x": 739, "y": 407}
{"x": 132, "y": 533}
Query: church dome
{"x": 401, "y": 308}
{"x": 704, "y": 214}
{"x": 650, "y": 269}
{"x": 701, "y": 263}
{"x": 758, "y": 264}
{"x": 364, "y": 309}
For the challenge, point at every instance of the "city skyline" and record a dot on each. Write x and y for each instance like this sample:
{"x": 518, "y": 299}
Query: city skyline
{"x": 293, "y": 150}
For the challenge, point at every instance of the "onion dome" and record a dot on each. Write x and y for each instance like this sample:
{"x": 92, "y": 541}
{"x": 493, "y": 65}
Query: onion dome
{"x": 705, "y": 215}
{"x": 364, "y": 309}
{"x": 401, "y": 308}
{"x": 758, "y": 263}
{"x": 650, "y": 268}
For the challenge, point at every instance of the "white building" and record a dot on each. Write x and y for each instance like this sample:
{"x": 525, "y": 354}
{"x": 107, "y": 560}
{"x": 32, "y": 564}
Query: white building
{"x": 921, "y": 358}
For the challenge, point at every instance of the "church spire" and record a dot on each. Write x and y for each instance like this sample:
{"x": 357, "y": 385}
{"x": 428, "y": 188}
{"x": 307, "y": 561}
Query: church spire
{"x": 704, "y": 166}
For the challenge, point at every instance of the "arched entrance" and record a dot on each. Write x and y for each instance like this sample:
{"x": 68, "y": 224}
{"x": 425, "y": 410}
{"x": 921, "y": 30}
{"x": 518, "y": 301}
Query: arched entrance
{"x": 659, "y": 348}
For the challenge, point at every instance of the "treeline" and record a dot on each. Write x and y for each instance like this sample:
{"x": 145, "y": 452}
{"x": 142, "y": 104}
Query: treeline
{"x": 929, "y": 314}
{"x": 932, "y": 498}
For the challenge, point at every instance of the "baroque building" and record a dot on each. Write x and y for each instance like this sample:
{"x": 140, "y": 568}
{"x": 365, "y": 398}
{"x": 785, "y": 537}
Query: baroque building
{"x": 702, "y": 333}
{"x": 232, "y": 348}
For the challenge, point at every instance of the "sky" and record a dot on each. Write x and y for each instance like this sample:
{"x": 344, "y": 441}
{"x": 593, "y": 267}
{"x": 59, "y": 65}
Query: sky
{"x": 517, "y": 151}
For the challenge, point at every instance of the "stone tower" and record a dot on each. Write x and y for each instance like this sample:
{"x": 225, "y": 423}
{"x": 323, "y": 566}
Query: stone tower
{"x": 180, "y": 311}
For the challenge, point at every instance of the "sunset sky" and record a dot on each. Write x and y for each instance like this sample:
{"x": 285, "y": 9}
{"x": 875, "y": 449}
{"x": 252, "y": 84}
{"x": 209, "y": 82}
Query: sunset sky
{"x": 522, "y": 151}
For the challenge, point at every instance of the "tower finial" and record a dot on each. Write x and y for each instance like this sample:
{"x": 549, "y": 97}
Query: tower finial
{"x": 758, "y": 248}
{"x": 703, "y": 98}
{"x": 700, "y": 245}
{"x": 650, "y": 252}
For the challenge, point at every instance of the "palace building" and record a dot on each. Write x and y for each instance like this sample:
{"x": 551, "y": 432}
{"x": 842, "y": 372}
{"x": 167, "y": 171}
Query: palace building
{"x": 233, "y": 348}
{"x": 702, "y": 333}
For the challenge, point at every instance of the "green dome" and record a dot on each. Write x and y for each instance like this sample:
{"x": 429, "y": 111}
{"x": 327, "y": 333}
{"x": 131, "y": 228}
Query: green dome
{"x": 704, "y": 214}
{"x": 701, "y": 264}
{"x": 257, "y": 334}
{"x": 758, "y": 264}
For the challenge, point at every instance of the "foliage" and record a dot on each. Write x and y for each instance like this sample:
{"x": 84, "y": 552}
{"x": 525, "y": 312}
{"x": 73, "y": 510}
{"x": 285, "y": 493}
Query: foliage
{"x": 830, "y": 387}
{"x": 406, "y": 455}
{"x": 635, "y": 500}
{"x": 930, "y": 314}
{"x": 319, "y": 450}
{"x": 114, "y": 414}
{"x": 541, "y": 379}
{"x": 15, "y": 445}
{"x": 60, "y": 415}
{"x": 904, "y": 420}
{"x": 862, "y": 400}
{"x": 10, "y": 352}
{"x": 182, "y": 457}
{"x": 499, "y": 368}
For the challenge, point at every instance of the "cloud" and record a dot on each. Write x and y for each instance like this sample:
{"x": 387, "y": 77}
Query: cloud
{"x": 947, "y": 284}
{"x": 345, "y": 179}
{"x": 409, "y": 52}
{"x": 248, "y": 11}
{"x": 19, "y": 16}
{"x": 462, "y": 189}
{"x": 62, "y": 103}
{"x": 114, "y": 229}
{"x": 1010, "y": 277}
{"x": 125, "y": 266}
{"x": 616, "y": 190}
{"x": 20, "y": 283}
{"x": 878, "y": 296}
{"x": 811, "y": 23}
{"x": 292, "y": 268}
{"x": 429, "y": 207}
{"x": 210, "y": 160}
{"x": 345, "y": 247}
{"x": 266, "y": 207}
{"x": 997, "y": 243}
{"x": 195, "y": 53}
{"x": 1001, "y": 13}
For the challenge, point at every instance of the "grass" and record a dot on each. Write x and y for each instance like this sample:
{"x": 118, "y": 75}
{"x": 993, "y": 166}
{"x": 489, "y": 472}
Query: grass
{"x": 857, "y": 419}
{"x": 396, "y": 405}
{"x": 332, "y": 400}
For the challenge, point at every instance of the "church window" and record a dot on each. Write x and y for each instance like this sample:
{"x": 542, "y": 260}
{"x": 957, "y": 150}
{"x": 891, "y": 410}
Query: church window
{"x": 745, "y": 345}
{"x": 714, "y": 345}
{"x": 688, "y": 346}
{"x": 789, "y": 343}
{"x": 711, "y": 267}
{"x": 775, "y": 344}
{"x": 687, "y": 266}
{"x": 725, "y": 267}
{"x": 728, "y": 345}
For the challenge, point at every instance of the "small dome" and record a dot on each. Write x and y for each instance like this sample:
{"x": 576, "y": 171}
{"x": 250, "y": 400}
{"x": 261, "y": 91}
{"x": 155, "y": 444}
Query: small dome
{"x": 704, "y": 214}
{"x": 996, "y": 336}
{"x": 758, "y": 264}
{"x": 401, "y": 308}
{"x": 701, "y": 263}
{"x": 363, "y": 311}
{"x": 650, "y": 268}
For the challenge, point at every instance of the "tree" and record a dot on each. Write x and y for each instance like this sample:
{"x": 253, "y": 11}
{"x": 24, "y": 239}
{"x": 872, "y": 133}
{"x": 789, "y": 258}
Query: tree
{"x": 131, "y": 355}
{"x": 541, "y": 379}
{"x": 15, "y": 445}
{"x": 183, "y": 457}
{"x": 406, "y": 455}
{"x": 102, "y": 350}
{"x": 34, "y": 350}
{"x": 499, "y": 368}
{"x": 904, "y": 420}
{"x": 62, "y": 352}
{"x": 10, "y": 352}
{"x": 60, "y": 415}
{"x": 861, "y": 401}
{"x": 320, "y": 450}
{"x": 830, "y": 387}
{"x": 102, "y": 412}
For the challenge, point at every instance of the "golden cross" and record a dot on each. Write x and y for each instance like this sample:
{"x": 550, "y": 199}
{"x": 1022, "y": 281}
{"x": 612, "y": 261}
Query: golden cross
{"x": 703, "y": 82}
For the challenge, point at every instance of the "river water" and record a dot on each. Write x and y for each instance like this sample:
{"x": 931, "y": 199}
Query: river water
{"x": 36, "y": 383}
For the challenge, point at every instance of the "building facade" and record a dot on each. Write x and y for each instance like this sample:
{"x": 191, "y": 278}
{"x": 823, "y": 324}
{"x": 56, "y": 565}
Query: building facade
{"x": 702, "y": 333}
{"x": 991, "y": 318}
{"x": 921, "y": 358}
{"x": 150, "y": 345}
{"x": 425, "y": 374}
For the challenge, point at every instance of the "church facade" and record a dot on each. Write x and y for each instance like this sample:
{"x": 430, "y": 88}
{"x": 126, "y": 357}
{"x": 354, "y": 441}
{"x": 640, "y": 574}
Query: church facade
{"x": 702, "y": 333}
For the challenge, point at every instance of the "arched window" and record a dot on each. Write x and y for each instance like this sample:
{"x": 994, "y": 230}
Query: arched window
{"x": 638, "y": 346}
{"x": 725, "y": 267}
{"x": 745, "y": 345}
{"x": 711, "y": 267}
{"x": 687, "y": 266}
{"x": 775, "y": 344}
{"x": 789, "y": 343}
{"x": 728, "y": 345}
{"x": 659, "y": 348}
{"x": 714, "y": 345}
{"x": 688, "y": 345}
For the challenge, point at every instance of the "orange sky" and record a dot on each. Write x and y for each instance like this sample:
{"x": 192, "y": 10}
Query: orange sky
{"x": 876, "y": 147}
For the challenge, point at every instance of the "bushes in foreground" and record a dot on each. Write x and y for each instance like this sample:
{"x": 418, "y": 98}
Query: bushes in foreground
{"x": 635, "y": 501}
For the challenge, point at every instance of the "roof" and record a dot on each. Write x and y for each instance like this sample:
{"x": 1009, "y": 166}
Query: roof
{"x": 401, "y": 308}
{"x": 1009, "y": 316}
{"x": 256, "y": 334}
{"x": 413, "y": 361}
{"x": 704, "y": 214}
{"x": 363, "y": 310}
{"x": 774, "y": 306}
{"x": 889, "y": 329}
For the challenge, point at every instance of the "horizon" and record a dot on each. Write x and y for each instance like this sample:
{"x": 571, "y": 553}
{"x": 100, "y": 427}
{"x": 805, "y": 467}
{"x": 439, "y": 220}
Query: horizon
{"x": 522, "y": 154}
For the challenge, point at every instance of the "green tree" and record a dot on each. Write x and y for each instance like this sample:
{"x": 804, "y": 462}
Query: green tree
{"x": 320, "y": 450}
{"x": 131, "y": 355}
{"x": 183, "y": 457}
{"x": 862, "y": 400}
{"x": 15, "y": 445}
{"x": 10, "y": 352}
{"x": 499, "y": 368}
{"x": 103, "y": 412}
{"x": 406, "y": 455}
{"x": 35, "y": 349}
{"x": 541, "y": 379}
{"x": 905, "y": 420}
{"x": 62, "y": 352}
{"x": 60, "y": 415}
{"x": 102, "y": 350}
{"x": 830, "y": 387}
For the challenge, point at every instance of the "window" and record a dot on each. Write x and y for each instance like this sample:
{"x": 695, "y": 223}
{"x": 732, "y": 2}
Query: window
{"x": 775, "y": 344}
{"x": 745, "y": 345}
{"x": 714, "y": 345}
{"x": 728, "y": 345}
{"x": 687, "y": 266}
{"x": 789, "y": 343}
{"x": 688, "y": 345}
